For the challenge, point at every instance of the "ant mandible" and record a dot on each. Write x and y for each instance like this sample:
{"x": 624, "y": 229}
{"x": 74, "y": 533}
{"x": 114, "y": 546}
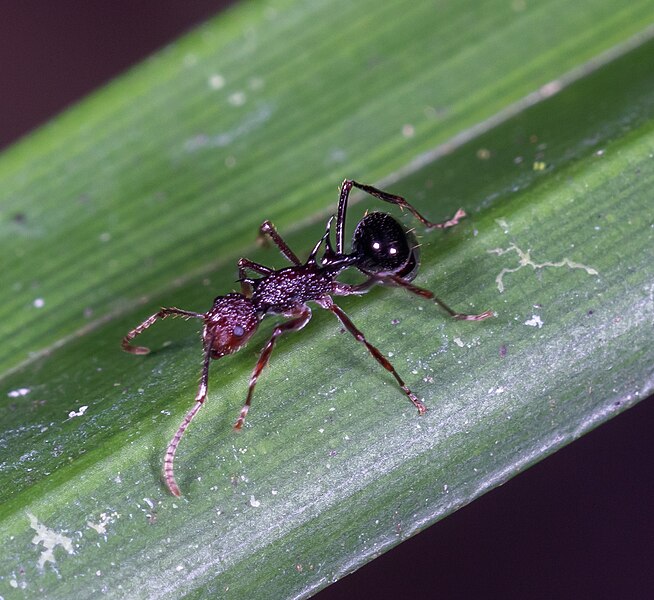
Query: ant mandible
{"x": 382, "y": 250}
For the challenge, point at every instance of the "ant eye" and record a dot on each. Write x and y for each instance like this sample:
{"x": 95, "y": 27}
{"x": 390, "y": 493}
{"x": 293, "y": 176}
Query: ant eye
{"x": 238, "y": 331}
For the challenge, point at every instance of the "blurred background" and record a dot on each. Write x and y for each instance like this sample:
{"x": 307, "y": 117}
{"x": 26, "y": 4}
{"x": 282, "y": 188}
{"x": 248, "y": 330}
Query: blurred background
{"x": 577, "y": 525}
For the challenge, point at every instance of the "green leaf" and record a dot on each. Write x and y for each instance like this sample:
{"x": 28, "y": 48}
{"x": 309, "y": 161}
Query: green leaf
{"x": 537, "y": 119}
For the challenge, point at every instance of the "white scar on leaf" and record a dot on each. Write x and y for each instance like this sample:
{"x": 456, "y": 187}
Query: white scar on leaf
{"x": 50, "y": 540}
{"x": 525, "y": 260}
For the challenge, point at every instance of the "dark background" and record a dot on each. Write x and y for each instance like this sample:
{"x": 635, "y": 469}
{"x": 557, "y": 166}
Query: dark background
{"x": 578, "y": 525}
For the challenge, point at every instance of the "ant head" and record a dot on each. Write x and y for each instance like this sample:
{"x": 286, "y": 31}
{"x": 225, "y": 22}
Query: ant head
{"x": 230, "y": 323}
{"x": 383, "y": 247}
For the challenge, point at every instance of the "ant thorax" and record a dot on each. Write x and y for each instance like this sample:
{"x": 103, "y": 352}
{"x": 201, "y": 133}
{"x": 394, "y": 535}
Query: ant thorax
{"x": 283, "y": 290}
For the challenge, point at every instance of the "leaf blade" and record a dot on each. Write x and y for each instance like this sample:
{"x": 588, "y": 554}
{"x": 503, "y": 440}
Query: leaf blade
{"x": 117, "y": 446}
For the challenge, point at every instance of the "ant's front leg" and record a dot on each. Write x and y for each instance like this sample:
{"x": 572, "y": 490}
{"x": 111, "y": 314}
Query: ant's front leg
{"x": 268, "y": 229}
{"x": 245, "y": 265}
{"x": 162, "y": 314}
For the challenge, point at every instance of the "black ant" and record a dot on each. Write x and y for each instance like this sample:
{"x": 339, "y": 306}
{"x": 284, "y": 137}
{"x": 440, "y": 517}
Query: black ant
{"x": 382, "y": 250}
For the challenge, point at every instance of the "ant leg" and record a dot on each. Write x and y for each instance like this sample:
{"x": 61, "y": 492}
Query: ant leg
{"x": 346, "y": 289}
{"x": 414, "y": 289}
{"x": 245, "y": 264}
{"x": 200, "y": 397}
{"x": 162, "y": 314}
{"x": 402, "y": 203}
{"x": 386, "y": 197}
{"x": 302, "y": 316}
{"x": 268, "y": 229}
{"x": 340, "y": 215}
{"x": 328, "y": 303}
{"x": 324, "y": 239}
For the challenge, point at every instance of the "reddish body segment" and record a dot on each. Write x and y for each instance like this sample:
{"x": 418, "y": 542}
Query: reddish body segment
{"x": 381, "y": 249}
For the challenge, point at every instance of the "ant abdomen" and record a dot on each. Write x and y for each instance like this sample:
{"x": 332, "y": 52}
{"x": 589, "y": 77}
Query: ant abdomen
{"x": 383, "y": 247}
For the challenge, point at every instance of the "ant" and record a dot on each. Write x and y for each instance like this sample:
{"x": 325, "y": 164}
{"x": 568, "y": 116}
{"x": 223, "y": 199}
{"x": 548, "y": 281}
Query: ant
{"x": 384, "y": 251}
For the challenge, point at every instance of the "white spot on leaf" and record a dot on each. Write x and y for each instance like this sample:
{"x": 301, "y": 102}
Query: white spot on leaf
{"x": 77, "y": 413}
{"x": 408, "y": 130}
{"x": 50, "y": 540}
{"x": 535, "y": 321}
{"x": 237, "y": 98}
{"x": 216, "y": 82}
{"x": 19, "y": 392}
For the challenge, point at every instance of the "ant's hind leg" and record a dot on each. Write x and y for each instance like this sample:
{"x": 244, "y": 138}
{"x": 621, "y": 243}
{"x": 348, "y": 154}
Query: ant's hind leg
{"x": 302, "y": 317}
{"x": 402, "y": 203}
{"x": 162, "y": 314}
{"x": 346, "y": 289}
{"x": 328, "y": 303}
{"x": 422, "y": 292}
{"x": 344, "y": 197}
